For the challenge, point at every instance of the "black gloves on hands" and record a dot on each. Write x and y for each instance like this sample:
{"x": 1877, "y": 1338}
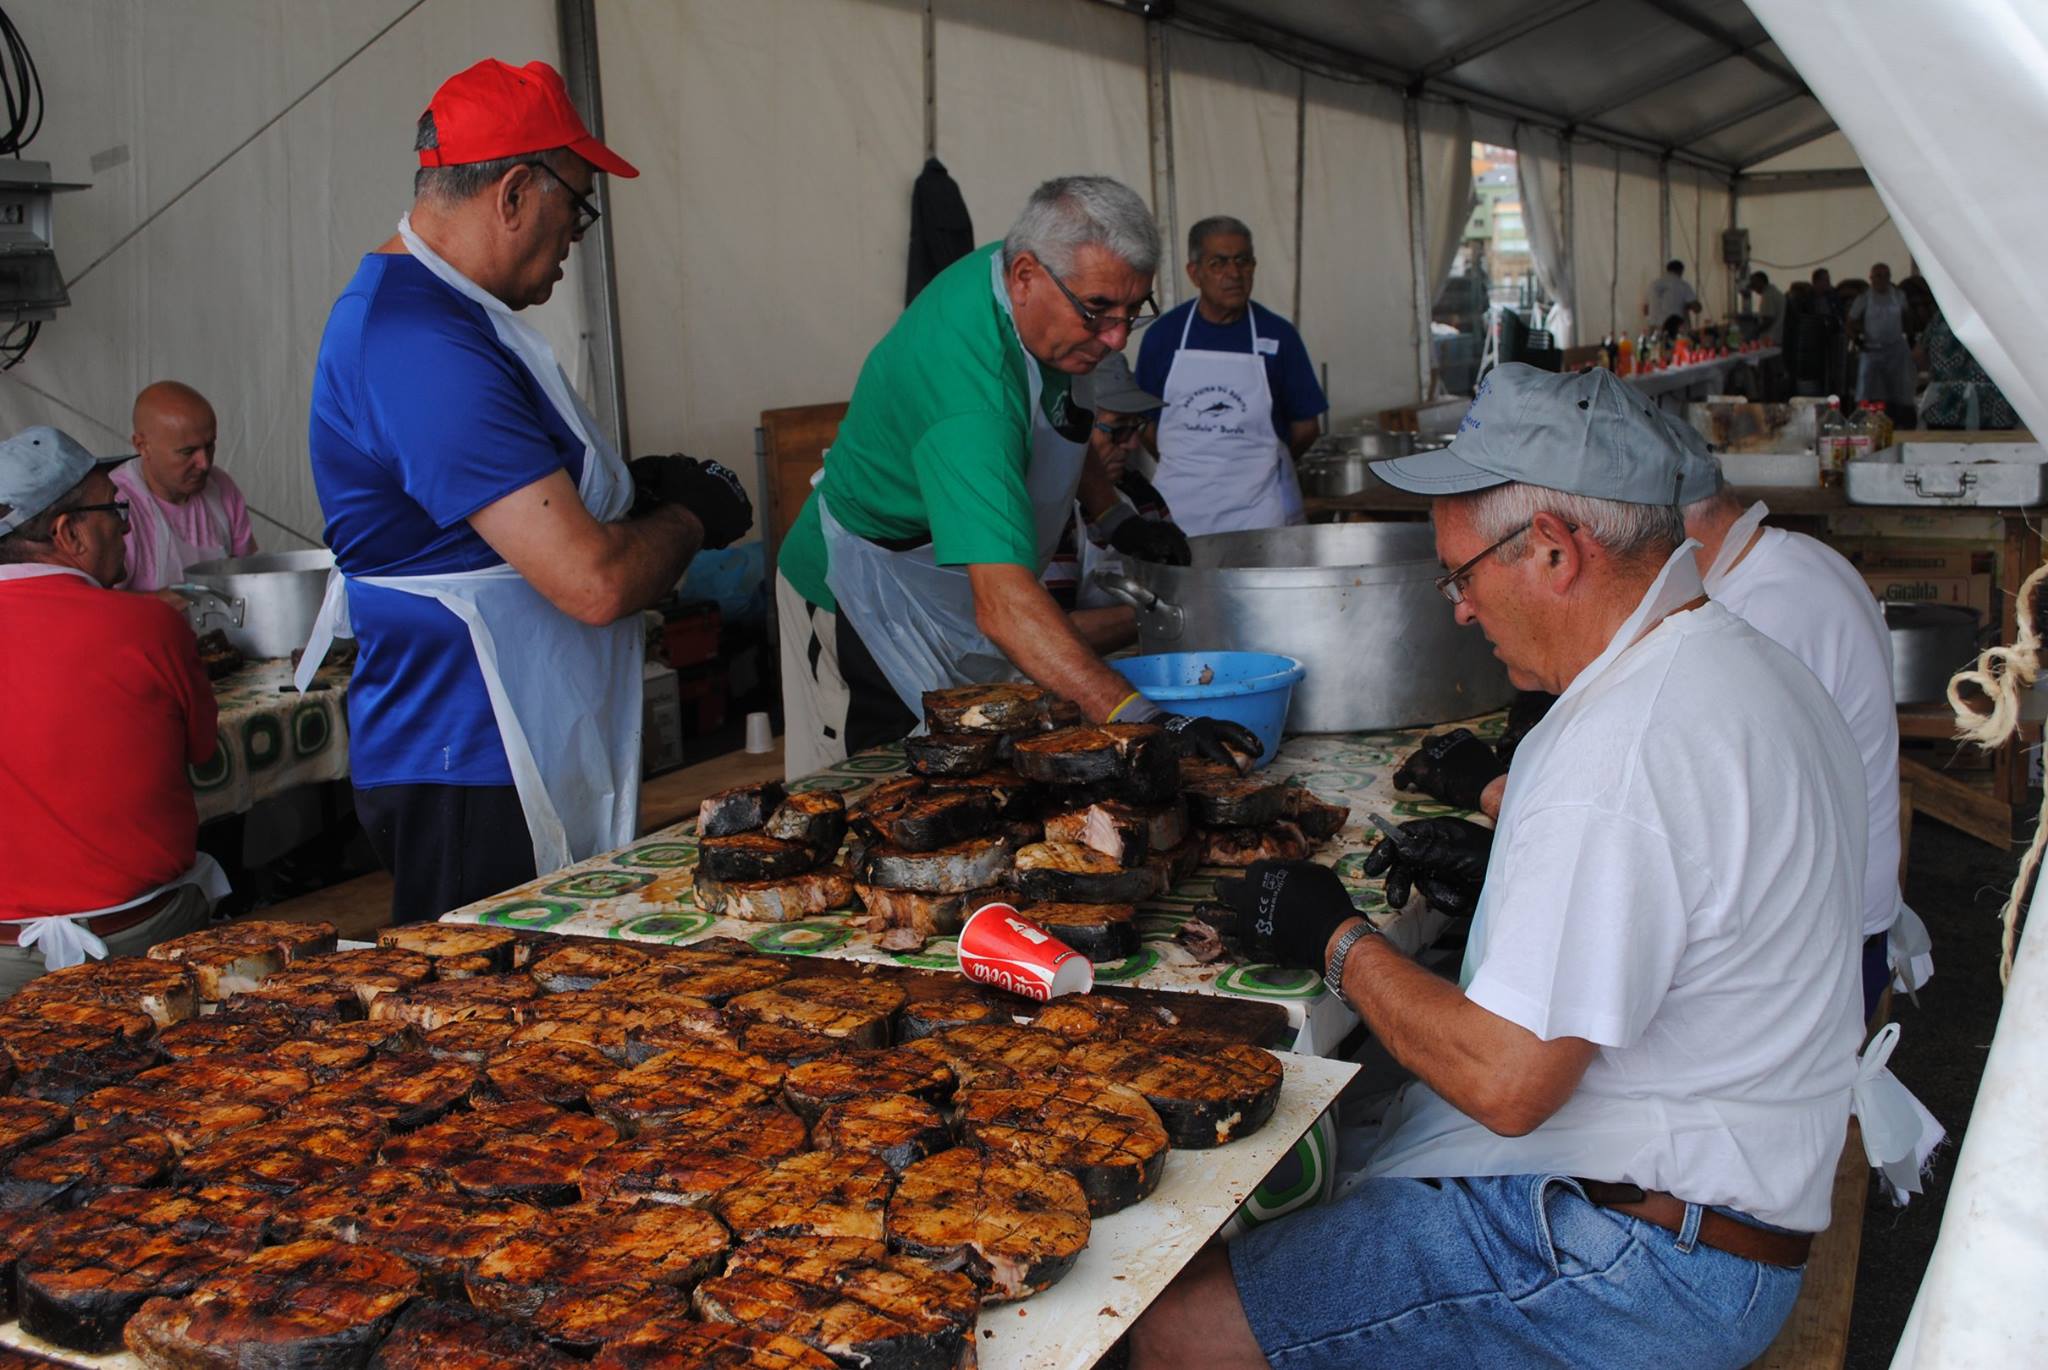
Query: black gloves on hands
{"x": 1445, "y": 858}
{"x": 1526, "y": 712}
{"x": 1213, "y": 739}
{"x": 1290, "y": 909}
{"x": 1453, "y": 767}
{"x": 705, "y": 488}
{"x": 1151, "y": 540}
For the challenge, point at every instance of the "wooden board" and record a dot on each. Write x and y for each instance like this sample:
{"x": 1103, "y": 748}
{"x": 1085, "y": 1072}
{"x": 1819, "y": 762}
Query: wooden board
{"x": 793, "y": 443}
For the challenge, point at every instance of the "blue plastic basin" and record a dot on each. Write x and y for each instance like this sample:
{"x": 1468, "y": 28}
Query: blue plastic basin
{"x": 1252, "y": 688}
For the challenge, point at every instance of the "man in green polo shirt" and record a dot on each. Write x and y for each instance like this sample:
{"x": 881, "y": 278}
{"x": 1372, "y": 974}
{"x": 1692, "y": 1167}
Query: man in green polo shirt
{"x": 914, "y": 564}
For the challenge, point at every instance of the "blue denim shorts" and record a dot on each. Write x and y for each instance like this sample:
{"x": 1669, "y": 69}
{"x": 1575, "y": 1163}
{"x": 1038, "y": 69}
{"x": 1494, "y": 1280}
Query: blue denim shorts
{"x": 1514, "y": 1270}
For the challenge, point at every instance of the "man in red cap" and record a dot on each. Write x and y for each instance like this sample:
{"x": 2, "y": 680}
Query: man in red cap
{"x": 494, "y": 549}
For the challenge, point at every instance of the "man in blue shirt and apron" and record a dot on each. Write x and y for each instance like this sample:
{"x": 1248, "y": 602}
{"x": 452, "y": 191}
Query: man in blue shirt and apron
{"x": 1241, "y": 394}
{"x": 492, "y": 550}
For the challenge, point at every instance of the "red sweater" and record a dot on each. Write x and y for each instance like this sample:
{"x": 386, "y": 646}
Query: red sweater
{"x": 102, "y": 705}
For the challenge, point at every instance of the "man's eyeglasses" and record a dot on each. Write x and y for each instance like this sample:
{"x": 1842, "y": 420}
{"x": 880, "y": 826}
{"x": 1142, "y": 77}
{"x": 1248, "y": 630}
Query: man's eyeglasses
{"x": 1452, "y": 586}
{"x": 1243, "y": 261}
{"x": 1100, "y": 321}
{"x": 114, "y": 506}
{"x": 586, "y": 212}
{"x": 1121, "y": 432}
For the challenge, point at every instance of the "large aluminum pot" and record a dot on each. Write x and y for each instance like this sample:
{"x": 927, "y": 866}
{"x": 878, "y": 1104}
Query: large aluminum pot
{"x": 265, "y": 603}
{"x": 1340, "y": 464}
{"x": 1355, "y": 603}
{"x": 1930, "y": 643}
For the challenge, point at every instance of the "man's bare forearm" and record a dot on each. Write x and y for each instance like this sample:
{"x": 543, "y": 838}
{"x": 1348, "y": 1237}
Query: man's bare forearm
{"x": 1020, "y": 617}
{"x": 649, "y": 554}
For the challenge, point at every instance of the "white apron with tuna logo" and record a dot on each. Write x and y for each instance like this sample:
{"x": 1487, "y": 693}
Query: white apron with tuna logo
{"x": 1221, "y": 466}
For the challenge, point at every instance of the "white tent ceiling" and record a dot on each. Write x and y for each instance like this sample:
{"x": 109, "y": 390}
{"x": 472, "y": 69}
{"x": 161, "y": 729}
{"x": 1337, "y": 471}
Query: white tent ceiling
{"x": 1698, "y": 80}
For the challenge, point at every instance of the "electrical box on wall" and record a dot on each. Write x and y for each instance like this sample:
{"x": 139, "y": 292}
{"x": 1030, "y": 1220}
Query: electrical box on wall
{"x": 1735, "y": 247}
{"x": 31, "y": 286}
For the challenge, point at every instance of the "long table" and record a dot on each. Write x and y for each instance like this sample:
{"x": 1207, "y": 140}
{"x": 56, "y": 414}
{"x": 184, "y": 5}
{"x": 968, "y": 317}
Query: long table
{"x": 644, "y": 891}
{"x": 272, "y": 738}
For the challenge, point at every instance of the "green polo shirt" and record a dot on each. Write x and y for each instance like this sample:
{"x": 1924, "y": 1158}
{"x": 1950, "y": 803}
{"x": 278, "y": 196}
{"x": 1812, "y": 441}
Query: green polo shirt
{"x": 937, "y": 439}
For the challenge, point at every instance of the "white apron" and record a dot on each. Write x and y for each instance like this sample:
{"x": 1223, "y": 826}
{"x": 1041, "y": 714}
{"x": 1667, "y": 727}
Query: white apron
{"x": 565, "y": 695}
{"x": 1221, "y": 467}
{"x": 915, "y": 616}
{"x": 62, "y": 938}
{"x": 172, "y": 553}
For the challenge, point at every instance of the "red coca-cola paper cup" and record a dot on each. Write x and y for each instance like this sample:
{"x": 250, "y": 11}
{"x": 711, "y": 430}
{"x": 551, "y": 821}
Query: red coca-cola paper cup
{"x": 1000, "y": 946}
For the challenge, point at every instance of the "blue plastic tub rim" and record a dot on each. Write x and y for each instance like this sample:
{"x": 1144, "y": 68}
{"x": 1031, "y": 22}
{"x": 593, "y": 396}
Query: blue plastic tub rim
{"x": 1286, "y": 672}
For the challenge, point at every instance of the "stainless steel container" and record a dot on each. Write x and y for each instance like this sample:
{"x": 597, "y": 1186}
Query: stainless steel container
{"x": 1340, "y": 463}
{"x": 1355, "y": 603}
{"x": 1930, "y": 643}
{"x": 1985, "y": 484}
{"x": 265, "y": 603}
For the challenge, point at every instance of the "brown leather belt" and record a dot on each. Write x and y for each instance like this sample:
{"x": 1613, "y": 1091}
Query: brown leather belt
{"x": 120, "y": 920}
{"x": 1717, "y": 1230}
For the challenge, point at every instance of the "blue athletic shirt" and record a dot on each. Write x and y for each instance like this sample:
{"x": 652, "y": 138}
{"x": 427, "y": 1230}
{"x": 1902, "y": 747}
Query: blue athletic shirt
{"x": 1289, "y": 373}
{"x": 420, "y": 418}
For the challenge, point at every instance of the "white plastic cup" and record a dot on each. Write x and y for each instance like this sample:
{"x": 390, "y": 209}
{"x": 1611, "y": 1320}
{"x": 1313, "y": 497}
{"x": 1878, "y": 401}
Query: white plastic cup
{"x": 1000, "y": 946}
{"x": 760, "y": 734}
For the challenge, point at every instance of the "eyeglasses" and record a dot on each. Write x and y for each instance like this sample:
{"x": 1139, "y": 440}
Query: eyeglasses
{"x": 586, "y": 212}
{"x": 1452, "y": 586}
{"x": 1099, "y": 321}
{"x": 1243, "y": 261}
{"x": 1121, "y": 432}
{"x": 116, "y": 506}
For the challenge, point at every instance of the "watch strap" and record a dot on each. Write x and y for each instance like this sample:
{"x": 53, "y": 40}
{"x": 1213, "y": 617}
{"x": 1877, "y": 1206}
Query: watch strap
{"x": 1333, "y": 977}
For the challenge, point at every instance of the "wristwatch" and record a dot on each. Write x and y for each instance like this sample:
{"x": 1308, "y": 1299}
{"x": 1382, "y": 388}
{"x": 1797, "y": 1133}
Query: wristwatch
{"x": 1334, "y": 976}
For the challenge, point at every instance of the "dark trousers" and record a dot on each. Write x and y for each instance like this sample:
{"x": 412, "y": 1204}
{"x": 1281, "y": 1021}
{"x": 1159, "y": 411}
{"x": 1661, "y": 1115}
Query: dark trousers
{"x": 874, "y": 714}
{"x": 1877, "y": 970}
{"x": 445, "y": 845}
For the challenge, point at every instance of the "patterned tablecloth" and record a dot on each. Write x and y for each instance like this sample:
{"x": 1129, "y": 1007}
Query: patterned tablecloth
{"x": 643, "y": 891}
{"x": 272, "y": 738}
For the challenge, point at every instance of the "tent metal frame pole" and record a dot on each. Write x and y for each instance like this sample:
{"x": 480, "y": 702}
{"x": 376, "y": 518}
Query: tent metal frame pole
{"x": 1159, "y": 93}
{"x": 1677, "y": 71}
{"x": 1565, "y": 220}
{"x": 577, "y": 20}
{"x": 1731, "y": 119}
{"x": 1418, "y": 250}
{"x": 1664, "y": 210}
{"x": 1786, "y": 145}
{"x": 1506, "y": 34}
{"x": 931, "y": 82}
{"x": 1300, "y": 180}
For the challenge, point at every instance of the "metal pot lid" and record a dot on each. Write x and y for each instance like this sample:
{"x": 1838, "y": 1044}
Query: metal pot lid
{"x": 1921, "y": 617}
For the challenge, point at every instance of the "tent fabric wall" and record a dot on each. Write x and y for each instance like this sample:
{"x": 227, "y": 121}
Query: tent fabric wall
{"x": 1598, "y": 303}
{"x": 1446, "y": 148}
{"x": 1639, "y": 256}
{"x": 230, "y": 287}
{"x": 1792, "y": 233}
{"x": 1358, "y": 301}
{"x": 1539, "y": 162}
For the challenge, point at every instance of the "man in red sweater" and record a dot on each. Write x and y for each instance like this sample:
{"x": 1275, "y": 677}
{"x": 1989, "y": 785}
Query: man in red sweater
{"x": 105, "y": 705}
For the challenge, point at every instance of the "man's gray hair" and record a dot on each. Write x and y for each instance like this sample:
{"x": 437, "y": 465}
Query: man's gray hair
{"x": 1212, "y": 226}
{"x": 1069, "y": 213}
{"x": 1629, "y": 532}
{"x": 464, "y": 180}
{"x": 31, "y": 541}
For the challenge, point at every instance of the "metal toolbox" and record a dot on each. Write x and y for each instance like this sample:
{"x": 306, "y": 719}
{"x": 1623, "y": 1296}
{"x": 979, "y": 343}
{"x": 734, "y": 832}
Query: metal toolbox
{"x": 1990, "y": 484}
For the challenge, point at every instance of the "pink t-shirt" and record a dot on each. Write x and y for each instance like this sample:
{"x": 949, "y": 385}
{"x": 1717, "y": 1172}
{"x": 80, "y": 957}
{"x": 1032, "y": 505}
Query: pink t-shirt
{"x": 164, "y": 538}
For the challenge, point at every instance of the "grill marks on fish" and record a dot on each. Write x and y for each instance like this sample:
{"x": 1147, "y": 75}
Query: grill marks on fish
{"x": 677, "y": 1344}
{"x": 953, "y": 754}
{"x": 1014, "y": 1227}
{"x": 527, "y": 1151}
{"x": 743, "y": 808}
{"x": 815, "y": 820}
{"x": 1004, "y": 708}
{"x": 233, "y": 957}
{"x": 227, "y": 1034}
{"x": 858, "y": 1011}
{"x": 935, "y": 1008}
{"x": 26, "y": 1124}
{"x": 556, "y": 1073}
{"x": 439, "y": 1335}
{"x": 287, "y": 1153}
{"x": 979, "y": 1053}
{"x": 341, "y": 984}
{"x": 1082, "y": 1017}
{"x": 582, "y": 1320}
{"x": 1204, "y": 1100}
{"x": 405, "y": 1091}
{"x": 850, "y": 1299}
{"x": 595, "y": 1248}
{"x": 712, "y": 977}
{"x": 682, "y": 1082}
{"x": 585, "y": 965}
{"x": 753, "y": 856}
{"x": 476, "y": 950}
{"x": 504, "y": 998}
{"x": 677, "y": 1164}
{"x": 1103, "y": 1134}
{"x": 1100, "y": 932}
{"x": 898, "y": 1130}
{"x": 1135, "y": 755}
{"x": 777, "y": 901}
{"x": 816, "y": 1194}
{"x": 471, "y": 1040}
{"x": 70, "y": 1171}
{"x": 307, "y": 1303}
{"x": 196, "y": 1102}
{"x": 814, "y": 1086}
{"x": 1218, "y": 797}
{"x": 626, "y": 1031}
{"x": 1069, "y": 873}
{"x": 163, "y": 991}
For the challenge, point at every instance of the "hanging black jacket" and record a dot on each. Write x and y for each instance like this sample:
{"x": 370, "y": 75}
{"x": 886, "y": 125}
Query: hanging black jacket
{"x": 941, "y": 233}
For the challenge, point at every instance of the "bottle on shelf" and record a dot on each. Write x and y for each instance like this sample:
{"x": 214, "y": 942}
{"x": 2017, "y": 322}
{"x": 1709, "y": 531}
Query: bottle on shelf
{"x": 1625, "y": 363}
{"x": 1829, "y": 441}
{"x": 1882, "y": 430}
{"x": 1857, "y": 438}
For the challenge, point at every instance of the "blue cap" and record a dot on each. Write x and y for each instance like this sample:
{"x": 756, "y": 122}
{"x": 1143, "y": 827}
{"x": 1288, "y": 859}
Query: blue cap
{"x": 1584, "y": 433}
{"x": 38, "y": 467}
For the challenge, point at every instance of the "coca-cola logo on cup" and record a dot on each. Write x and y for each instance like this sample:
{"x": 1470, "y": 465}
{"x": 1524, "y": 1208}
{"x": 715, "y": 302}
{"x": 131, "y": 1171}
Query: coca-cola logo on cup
{"x": 1001, "y": 947}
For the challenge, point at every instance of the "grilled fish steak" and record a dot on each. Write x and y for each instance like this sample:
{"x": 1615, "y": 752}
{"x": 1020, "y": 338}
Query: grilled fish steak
{"x": 438, "y": 1335}
{"x": 1237, "y": 848}
{"x": 1004, "y": 708}
{"x": 950, "y": 753}
{"x": 814, "y": 1086}
{"x": 477, "y": 950}
{"x": 507, "y": 998}
{"x": 898, "y": 1130}
{"x": 707, "y": 975}
{"x": 164, "y": 991}
{"x": 471, "y": 1040}
{"x": 789, "y": 1046}
{"x": 677, "y": 1344}
{"x": 850, "y": 1299}
{"x": 306, "y": 1304}
{"x": 380, "y": 1035}
{"x": 286, "y": 1153}
{"x": 226, "y": 1034}
{"x": 817, "y": 1194}
{"x": 405, "y": 1091}
{"x": 979, "y": 1053}
{"x": 580, "y": 1321}
{"x": 93, "y": 1268}
{"x": 753, "y": 856}
{"x": 233, "y": 957}
{"x": 481, "y": 1152}
{"x": 669, "y": 1165}
{"x": 777, "y": 901}
{"x": 919, "y": 916}
{"x": 1218, "y": 797}
{"x": 1318, "y": 819}
{"x": 1118, "y": 831}
{"x": 974, "y": 864}
{"x": 1016, "y": 799}
{"x": 1096, "y": 754}
{"x": 939, "y": 819}
{"x": 26, "y": 1124}
{"x": 20, "y": 1229}
{"x": 321, "y": 1059}
{"x": 1013, "y": 1226}
{"x": 1100, "y": 932}
{"x": 310, "y": 995}
{"x": 1103, "y": 1134}
{"x": 595, "y": 1248}
{"x": 934, "y": 1009}
{"x": 35, "y": 1032}
{"x": 684, "y": 1081}
{"x": 744, "y": 808}
{"x": 627, "y": 1031}
{"x": 1068, "y": 873}
{"x": 1081, "y": 1017}
{"x": 556, "y": 1073}
{"x": 1203, "y": 1100}
{"x": 77, "y": 1169}
{"x": 816, "y": 820}
{"x": 585, "y": 965}
{"x": 194, "y": 1102}
{"x": 857, "y": 1010}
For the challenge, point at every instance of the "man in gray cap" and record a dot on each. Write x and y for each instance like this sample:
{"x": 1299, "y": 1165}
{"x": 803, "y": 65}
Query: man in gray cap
{"x": 1628, "y": 1108}
{"x": 106, "y": 705}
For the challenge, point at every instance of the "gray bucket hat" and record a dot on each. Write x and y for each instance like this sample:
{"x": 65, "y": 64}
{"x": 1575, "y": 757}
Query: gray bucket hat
{"x": 1585, "y": 433}
{"x": 1111, "y": 386}
{"x": 38, "y": 467}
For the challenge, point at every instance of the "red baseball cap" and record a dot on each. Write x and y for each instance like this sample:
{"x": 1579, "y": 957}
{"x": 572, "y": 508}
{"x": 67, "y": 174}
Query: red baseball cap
{"x": 498, "y": 110}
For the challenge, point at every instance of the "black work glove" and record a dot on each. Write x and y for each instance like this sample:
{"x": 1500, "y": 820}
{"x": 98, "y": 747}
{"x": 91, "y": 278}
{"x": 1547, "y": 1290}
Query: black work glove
{"x": 1213, "y": 739}
{"x": 1453, "y": 767}
{"x": 1445, "y": 858}
{"x": 705, "y": 488}
{"x": 1290, "y": 910}
{"x": 1525, "y": 713}
{"x": 1151, "y": 540}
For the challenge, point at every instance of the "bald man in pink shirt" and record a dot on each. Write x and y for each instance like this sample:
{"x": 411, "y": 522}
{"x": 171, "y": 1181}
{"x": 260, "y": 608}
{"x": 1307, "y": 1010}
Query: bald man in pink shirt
{"x": 181, "y": 507}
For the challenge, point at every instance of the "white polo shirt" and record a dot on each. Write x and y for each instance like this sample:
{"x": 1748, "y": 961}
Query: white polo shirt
{"x": 1675, "y": 878}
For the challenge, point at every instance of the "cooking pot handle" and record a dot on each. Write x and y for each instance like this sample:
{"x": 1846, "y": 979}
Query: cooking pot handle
{"x": 1166, "y": 615}
{"x": 209, "y": 604}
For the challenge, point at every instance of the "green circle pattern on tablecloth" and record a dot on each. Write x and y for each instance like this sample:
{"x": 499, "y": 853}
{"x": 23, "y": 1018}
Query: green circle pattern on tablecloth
{"x": 263, "y": 742}
{"x": 667, "y": 855}
{"x": 1130, "y": 968}
{"x": 312, "y": 730}
{"x": 663, "y": 927}
{"x": 598, "y": 884}
{"x": 941, "y": 953}
{"x": 217, "y": 770}
{"x": 872, "y": 763}
{"x": 529, "y": 913}
{"x": 801, "y": 939}
{"x": 1306, "y": 1176}
{"x": 817, "y": 783}
{"x": 1270, "y": 982}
